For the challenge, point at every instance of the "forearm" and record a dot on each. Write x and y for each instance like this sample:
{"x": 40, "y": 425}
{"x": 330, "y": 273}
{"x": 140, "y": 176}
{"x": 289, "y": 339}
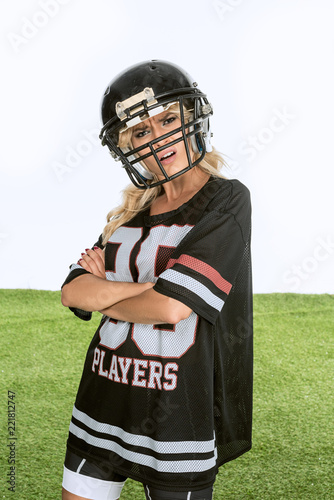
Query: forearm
{"x": 92, "y": 293}
{"x": 150, "y": 307}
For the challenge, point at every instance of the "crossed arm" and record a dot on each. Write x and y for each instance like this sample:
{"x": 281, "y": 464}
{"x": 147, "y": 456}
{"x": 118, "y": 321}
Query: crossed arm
{"x": 132, "y": 302}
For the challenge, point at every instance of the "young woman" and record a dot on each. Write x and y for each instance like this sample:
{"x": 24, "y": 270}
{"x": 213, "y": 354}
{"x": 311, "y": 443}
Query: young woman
{"x": 166, "y": 392}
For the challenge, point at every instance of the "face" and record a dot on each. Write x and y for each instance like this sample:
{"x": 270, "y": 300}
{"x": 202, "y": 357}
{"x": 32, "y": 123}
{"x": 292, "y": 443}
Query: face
{"x": 173, "y": 158}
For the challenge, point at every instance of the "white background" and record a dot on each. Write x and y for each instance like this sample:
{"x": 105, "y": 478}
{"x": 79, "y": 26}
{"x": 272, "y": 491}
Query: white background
{"x": 267, "y": 68}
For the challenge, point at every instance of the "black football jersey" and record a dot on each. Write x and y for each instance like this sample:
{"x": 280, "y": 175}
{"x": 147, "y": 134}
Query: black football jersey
{"x": 168, "y": 404}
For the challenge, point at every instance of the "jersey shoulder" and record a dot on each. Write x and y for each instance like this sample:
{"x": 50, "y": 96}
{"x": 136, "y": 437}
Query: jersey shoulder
{"x": 231, "y": 196}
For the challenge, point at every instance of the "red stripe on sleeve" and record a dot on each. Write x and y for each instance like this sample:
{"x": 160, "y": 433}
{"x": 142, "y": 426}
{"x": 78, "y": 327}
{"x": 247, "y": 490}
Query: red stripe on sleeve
{"x": 202, "y": 268}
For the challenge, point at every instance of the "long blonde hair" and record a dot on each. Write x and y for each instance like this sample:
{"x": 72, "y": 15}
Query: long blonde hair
{"x": 135, "y": 200}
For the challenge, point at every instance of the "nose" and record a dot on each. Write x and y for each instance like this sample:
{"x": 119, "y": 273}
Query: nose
{"x": 160, "y": 142}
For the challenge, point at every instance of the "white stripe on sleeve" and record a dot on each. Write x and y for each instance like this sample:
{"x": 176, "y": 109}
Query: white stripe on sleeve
{"x": 194, "y": 286}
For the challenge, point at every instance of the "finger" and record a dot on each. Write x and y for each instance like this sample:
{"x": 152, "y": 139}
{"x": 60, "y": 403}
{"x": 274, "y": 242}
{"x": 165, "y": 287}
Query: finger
{"x": 100, "y": 252}
{"x": 97, "y": 256}
{"x": 95, "y": 262}
{"x": 85, "y": 262}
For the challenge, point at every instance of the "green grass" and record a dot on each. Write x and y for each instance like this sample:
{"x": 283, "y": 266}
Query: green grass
{"x": 42, "y": 353}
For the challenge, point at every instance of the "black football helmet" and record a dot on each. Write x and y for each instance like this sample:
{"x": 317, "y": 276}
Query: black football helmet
{"x": 144, "y": 90}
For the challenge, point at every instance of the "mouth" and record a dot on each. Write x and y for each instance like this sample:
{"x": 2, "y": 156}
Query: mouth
{"x": 168, "y": 156}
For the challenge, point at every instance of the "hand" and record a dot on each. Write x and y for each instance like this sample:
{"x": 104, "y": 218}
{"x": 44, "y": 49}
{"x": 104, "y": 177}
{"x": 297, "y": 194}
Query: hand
{"x": 93, "y": 262}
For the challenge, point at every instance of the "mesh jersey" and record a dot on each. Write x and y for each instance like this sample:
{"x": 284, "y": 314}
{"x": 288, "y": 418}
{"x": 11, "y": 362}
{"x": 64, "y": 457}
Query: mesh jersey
{"x": 167, "y": 405}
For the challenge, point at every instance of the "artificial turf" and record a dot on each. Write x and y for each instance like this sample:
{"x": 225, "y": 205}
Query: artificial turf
{"x": 42, "y": 352}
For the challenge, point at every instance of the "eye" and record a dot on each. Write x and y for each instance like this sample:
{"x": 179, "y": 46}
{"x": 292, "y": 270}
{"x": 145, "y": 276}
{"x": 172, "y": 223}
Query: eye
{"x": 140, "y": 133}
{"x": 169, "y": 120}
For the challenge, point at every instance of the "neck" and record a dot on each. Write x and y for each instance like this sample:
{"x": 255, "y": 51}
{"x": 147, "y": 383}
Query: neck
{"x": 179, "y": 191}
{"x": 187, "y": 184}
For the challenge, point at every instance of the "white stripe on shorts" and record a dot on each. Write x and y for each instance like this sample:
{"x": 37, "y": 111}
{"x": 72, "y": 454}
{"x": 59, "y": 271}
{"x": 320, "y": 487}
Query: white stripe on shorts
{"x": 149, "y": 496}
{"x": 148, "y": 493}
{"x": 89, "y": 487}
{"x": 81, "y": 465}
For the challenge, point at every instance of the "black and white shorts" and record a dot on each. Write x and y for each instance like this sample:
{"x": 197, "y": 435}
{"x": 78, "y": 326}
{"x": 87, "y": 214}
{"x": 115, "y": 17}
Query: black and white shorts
{"x": 88, "y": 480}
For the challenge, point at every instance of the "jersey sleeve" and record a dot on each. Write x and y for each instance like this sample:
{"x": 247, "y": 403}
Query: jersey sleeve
{"x": 204, "y": 267}
{"x": 75, "y": 271}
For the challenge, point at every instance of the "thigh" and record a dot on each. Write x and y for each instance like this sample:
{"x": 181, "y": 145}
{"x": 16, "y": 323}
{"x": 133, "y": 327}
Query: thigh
{"x": 85, "y": 480}
{"x": 79, "y": 487}
{"x": 101, "y": 470}
{"x": 155, "y": 494}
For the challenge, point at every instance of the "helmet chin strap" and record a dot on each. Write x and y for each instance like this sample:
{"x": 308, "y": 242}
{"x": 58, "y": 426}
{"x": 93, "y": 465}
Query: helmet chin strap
{"x": 140, "y": 166}
{"x": 142, "y": 169}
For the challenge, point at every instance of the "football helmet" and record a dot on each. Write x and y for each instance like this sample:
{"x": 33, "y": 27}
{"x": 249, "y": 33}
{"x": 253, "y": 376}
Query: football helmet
{"x": 145, "y": 90}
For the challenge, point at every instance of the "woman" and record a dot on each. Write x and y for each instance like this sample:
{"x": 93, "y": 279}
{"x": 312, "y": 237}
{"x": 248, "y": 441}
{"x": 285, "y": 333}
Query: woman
{"x": 166, "y": 392}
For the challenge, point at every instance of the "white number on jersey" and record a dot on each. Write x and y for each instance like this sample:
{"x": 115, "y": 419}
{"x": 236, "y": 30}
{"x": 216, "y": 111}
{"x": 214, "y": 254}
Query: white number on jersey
{"x": 151, "y": 340}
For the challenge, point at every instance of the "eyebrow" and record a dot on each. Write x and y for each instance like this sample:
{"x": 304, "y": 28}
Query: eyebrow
{"x": 140, "y": 126}
{"x": 143, "y": 126}
{"x": 167, "y": 115}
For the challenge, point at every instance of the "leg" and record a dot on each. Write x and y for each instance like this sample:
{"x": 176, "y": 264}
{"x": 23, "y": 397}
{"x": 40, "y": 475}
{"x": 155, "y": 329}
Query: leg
{"x": 66, "y": 495}
{"x": 83, "y": 480}
{"x": 78, "y": 486}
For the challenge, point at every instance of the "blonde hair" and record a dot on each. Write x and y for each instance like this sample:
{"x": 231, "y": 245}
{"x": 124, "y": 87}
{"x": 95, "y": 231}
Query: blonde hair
{"x": 135, "y": 200}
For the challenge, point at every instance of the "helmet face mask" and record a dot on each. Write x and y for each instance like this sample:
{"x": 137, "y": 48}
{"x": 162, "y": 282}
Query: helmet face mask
{"x": 144, "y": 91}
